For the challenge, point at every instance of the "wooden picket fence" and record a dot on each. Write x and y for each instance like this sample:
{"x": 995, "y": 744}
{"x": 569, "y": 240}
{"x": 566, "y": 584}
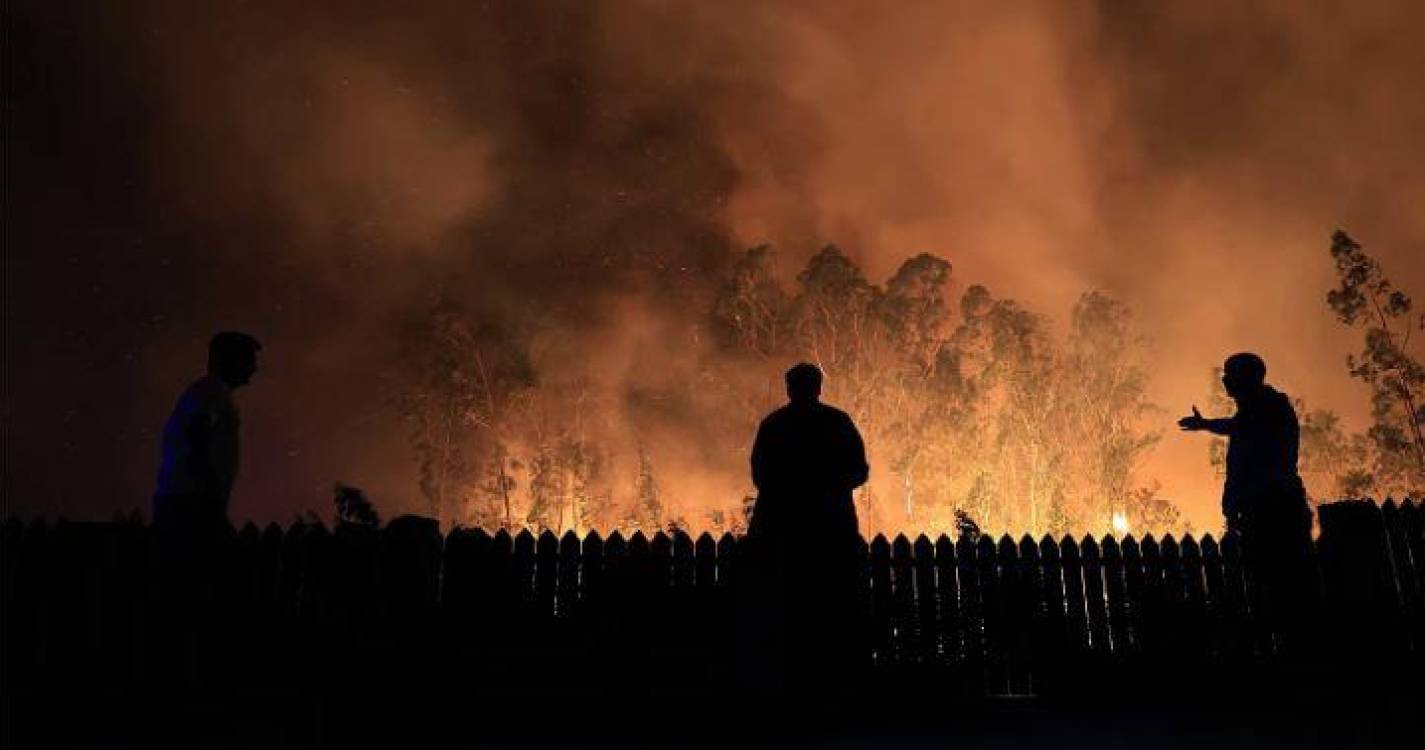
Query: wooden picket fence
{"x": 503, "y": 613}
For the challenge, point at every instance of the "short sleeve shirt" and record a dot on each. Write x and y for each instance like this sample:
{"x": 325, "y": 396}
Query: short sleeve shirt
{"x": 208, "y": 399}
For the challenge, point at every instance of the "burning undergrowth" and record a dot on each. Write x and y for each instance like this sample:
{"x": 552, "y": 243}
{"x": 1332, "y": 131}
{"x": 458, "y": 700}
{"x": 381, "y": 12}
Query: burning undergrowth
{"x": 968, "y": 402}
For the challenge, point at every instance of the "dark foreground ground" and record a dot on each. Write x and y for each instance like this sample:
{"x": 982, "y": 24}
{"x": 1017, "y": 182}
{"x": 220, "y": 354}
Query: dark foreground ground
{"x": 1295, "y": 711}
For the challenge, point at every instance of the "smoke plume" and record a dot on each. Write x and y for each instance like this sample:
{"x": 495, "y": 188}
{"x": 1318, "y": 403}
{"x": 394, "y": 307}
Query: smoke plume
{"x": 578, "y": 177}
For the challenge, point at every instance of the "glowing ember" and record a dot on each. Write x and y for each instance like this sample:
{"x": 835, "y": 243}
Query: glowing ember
{"x": 1120, "y": 524}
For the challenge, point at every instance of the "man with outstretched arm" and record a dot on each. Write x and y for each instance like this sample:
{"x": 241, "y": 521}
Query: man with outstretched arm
{"x": 1263, "y": 499}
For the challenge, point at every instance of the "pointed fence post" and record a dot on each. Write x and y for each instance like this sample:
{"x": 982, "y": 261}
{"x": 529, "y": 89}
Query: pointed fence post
{"x": 1026, "y": 613}
{"x": 1115, "y": 589}
{"x": 524, "y": 568}
{"x": 1076, "y": 621}
{"x": 660, "y": 559}
{"x": 1412, "y": 520}
{"x": 292, "y": 570}
{"x": 1394, "y": 518}
{"x": 466, "y": 591}
{"x": 882, "y": 601}
{"x": 950, "y": 622}
{"x": 546, "y": 574}
{"x": 972, "y": 621}
{"x": 726, "y": 559}
{"x": 618, "y": 589}
{"x": 1196, "y": 627}
{"x": 992, "y": 607}
{"x": 593, "y": 594}
{"x": 903, "y": 611}
{"x": 566, "y": 590}
{"x": 1096, "y": 600}
{"x": 927, "y": 602}
{"x": 1363, "y": 594}
{"x": 705, "y": 563}
{"x": 1051, "y": 639}
{"x": 647, "y": 588}
{"x": 684, "y": 571}
{"x": 1149, "y": 619}
{"x": 1135, "y": 595}
{"x": 1173, "y": 598}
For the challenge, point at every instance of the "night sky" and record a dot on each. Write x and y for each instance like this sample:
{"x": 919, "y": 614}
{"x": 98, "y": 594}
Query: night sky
{"x": 317, "y": 172}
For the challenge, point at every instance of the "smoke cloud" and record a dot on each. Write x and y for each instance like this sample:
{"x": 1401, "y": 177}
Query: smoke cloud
{"x": 578, "y": 176}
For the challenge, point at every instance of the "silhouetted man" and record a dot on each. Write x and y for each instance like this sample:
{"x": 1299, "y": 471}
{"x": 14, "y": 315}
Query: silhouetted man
{"x": 200, "y": 439}
{"x": 807, "y": 459}
{"x": 1263, "y": 497}
{"x": 195, "y": 480}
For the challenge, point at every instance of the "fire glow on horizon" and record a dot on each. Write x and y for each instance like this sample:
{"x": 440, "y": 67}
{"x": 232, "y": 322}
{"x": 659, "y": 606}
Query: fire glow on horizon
{"x": 579, "y": 179}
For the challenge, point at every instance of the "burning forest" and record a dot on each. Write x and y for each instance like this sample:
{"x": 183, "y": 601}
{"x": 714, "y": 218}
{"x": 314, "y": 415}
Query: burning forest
{"x": 968, "y": 402}
{"x": 497, "y": 254}
{"x": 972, "y": 405}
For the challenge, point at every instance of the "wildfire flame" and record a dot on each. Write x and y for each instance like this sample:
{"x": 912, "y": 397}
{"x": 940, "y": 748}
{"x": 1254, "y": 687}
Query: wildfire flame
{"x": 1119, "y": 523}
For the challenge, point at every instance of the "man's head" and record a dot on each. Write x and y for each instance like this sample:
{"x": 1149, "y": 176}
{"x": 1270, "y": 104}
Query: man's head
{"x": 1243, "y": 374}
{"x": 804, "y": 383}
{"x": 232, "y": 357}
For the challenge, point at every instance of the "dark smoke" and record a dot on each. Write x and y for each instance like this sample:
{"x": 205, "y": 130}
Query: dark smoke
{"x": 579, "y": 174}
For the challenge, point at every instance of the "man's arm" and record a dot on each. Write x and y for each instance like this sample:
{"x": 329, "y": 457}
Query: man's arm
{"x": 1196, "y": 421}
{"x": 857, "y": 471}
{"x": 759, "y": 457}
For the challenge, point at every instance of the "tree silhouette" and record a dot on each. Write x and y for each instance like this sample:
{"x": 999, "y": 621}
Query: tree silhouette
{"x": 354, "y": 507}
{"x": 1365, "y": 298}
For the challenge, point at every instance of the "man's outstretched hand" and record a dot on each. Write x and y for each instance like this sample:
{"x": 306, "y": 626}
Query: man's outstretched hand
{"x": 1194, "y": 421}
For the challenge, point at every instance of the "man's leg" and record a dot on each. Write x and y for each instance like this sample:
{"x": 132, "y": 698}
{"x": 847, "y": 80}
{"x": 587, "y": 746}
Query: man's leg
{"x": 1283, "y": 565}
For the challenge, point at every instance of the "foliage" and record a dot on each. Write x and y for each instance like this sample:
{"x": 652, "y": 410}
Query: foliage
{"x": 459, "y": 384}
{"x": 1366, "y": 299}
{"x": 354, "y": 507}
{"x": 966, "y": 527}
{"x": 965, "y": 400}
{"x": 648, "y": 505}
{"x": 978, "y": 405}
{"x": 1149, "y": 512}
{"x": 1333, "y": 463}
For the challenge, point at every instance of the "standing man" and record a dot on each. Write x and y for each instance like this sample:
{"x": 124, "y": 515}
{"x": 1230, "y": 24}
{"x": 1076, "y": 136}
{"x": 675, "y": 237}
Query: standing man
{"x": 807, "y": 459}
{"x": 1263, "y": 497}
{"x": 190, "y": 506}
{"x": 200, "y": 441}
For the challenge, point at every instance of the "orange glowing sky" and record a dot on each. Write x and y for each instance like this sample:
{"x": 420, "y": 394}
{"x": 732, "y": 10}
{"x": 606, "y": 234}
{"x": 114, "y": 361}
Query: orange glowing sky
{"x": 312, "y": 173}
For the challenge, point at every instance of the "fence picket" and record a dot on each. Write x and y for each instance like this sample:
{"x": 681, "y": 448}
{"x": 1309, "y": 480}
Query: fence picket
{"x": 992, "y": 608}
{"x": 1412, "y": 519}
{"x": 972, "y": 620}
{"x": 949, "y": 638}
{"x": 903, "y": 611}
{"x": 566, "y": 591}
{"x": 546, "y": 573}
{"x": 705, "y": 562}
{"x": 1051, "y": 638}
{"x": 927, "y": 602}
{"x": 1243, "y": 644}
{"x": 1195, "y": 630}
{"x": 1004, "y": 616}
{"x": 1402, "y": 568}
{"x": 1096, "y": 598}
{"x": 1076, "y": 619}
{"x": 881, "y": 600}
